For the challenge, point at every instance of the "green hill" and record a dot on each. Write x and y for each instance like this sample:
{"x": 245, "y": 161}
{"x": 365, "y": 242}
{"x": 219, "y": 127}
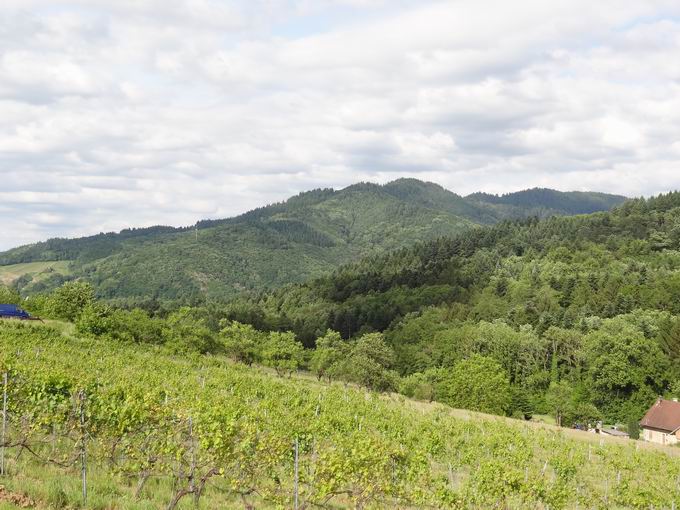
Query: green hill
{"x": 543, "y": 202}
{"x": 307, "y": 236}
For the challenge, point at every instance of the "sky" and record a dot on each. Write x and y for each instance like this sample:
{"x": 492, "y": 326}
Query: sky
{"x": 128, "y": 113}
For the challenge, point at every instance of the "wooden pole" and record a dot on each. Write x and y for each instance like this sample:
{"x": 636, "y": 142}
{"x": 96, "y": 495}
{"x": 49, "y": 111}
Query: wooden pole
{"x": 192, "y": 472}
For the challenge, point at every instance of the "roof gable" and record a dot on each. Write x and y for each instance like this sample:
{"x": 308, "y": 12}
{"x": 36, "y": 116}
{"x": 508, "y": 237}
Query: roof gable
{"x": 663, "y": 415}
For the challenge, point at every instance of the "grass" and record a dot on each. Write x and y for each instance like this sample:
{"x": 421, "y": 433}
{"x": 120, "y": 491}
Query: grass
{"x": 37, "y": 270}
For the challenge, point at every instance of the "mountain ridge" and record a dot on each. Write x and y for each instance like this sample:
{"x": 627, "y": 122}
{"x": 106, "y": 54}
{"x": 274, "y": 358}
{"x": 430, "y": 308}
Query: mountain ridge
{"x": 307, "y": 235}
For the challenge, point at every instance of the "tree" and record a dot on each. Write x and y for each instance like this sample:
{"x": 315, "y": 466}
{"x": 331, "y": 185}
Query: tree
{"x": 184, "y": 332}
{"x": 479, "y": 384}
{"x": 330, "y": 350}
{"x": 558, "y": 399}
{"x": 624, "y": 369}
{"x": 241, "y": 342}
{"x": 368, "y": 364}
{"x": 68, "y": 301}
{"x": 422, "y": 385}
{"x": 520, "y": 403}
{"x": 282, "y": 352}
{"x": 95, "y": 319}
{"x": 9, "y": 296}
{"x": 373, "y": 346}
{"x": 136, "y": 326}
{"x": 669, "y": 338}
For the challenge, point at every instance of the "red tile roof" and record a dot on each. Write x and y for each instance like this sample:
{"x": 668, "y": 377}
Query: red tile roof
{"x": 663, "y": 415}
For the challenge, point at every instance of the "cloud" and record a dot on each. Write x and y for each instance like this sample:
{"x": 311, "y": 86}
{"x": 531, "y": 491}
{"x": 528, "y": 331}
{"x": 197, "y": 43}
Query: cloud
{"x": 117, "y": 114}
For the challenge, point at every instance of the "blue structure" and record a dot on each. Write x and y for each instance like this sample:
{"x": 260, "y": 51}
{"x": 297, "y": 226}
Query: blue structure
{"x": 13, "y": 312}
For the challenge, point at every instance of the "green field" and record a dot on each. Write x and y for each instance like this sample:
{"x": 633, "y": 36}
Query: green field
{"x": 220, "y": 435}
{"x": 36, "y": 270}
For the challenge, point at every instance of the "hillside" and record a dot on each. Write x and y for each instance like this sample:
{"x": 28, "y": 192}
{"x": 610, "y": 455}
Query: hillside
{"x": 307, "y": 236}
{"x": 581, "y": 310}
{"x": 543, "y": 202}
{"x": 166, "y": 431}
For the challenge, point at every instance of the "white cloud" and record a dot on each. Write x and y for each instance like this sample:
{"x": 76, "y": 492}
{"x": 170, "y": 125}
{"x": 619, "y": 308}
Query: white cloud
{"x": 123, "y": 113}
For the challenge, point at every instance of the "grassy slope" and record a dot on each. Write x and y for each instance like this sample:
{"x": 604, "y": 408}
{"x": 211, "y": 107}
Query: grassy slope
{"x": 554, "y": 463}
{"x": 37, "y": 270}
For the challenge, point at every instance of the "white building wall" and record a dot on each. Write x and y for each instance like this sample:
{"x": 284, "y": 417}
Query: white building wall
{"x": 656, "y": 436}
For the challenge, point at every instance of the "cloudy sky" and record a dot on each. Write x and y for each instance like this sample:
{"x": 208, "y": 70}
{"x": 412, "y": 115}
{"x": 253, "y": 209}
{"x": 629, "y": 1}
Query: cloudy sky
{"x": 119, "y": 113}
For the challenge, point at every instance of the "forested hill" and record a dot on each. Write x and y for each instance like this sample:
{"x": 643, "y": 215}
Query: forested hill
{"x": 309, "y": 235}
{"x": 544, "y": 202}
{"x": 582, "y": 313}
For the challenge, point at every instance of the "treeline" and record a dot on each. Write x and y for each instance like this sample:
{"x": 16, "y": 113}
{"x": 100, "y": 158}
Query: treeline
{"x": 574, "y": 202}
{"x": 84, "y": 249}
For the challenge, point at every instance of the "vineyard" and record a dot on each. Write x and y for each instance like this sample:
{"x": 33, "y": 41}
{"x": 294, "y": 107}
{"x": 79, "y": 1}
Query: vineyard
{"x": 134, "y": 427}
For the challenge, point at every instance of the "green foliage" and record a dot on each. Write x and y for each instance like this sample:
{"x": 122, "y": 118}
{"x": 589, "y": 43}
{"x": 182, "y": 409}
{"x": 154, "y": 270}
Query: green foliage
{"x": 547, "y": 300}
{"x": 367, "y": 363}
{"x": 68, "y": 301}
{"x": 241, "y": 342}
{"x": 423, "y": 385}
{"x": 185, "y": 332}
{"x": 9, "y": 296}
{"x": 479, "y": 383}
{"x": 95, "y": 319}
{"x": 624, "y": 369}
{"x": 329, "y": 351}
{"x": 585, "y": 303}
{"x": 282, "y": 352}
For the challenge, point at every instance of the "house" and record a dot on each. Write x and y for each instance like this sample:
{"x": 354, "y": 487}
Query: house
{"x": 661, "y": 424}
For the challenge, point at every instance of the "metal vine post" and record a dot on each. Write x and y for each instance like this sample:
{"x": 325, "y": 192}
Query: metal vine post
{"x": 296, "y": 473}
{"x": 83, "y": 446}
{"x": 4, "y": 424}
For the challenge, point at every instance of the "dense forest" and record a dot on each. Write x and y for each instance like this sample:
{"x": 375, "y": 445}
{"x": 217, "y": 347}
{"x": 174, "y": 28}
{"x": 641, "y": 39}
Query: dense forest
{"x": 307, "y": 236}
{"x": 576, "y": 317}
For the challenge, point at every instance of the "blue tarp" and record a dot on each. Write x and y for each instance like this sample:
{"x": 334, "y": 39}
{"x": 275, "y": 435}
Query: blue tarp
{"x": 13, "y": 311}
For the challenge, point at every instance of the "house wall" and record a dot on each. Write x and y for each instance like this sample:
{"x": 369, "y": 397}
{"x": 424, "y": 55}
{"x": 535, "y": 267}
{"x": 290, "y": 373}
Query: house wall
{"x": 656, "y": 436}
